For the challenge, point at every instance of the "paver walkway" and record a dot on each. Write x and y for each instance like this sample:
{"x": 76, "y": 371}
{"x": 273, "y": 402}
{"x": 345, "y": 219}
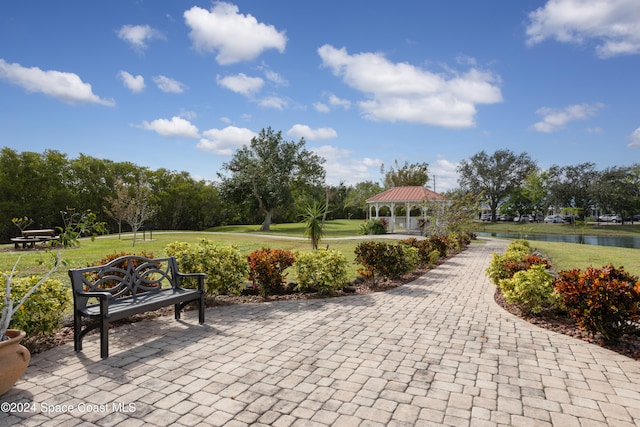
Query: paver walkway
{"x": 438, "y": 351}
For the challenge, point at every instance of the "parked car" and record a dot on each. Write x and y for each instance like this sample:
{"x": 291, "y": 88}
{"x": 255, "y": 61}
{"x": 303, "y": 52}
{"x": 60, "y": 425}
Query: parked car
{"x": 610, "y": 218}
{"x": 555, "y": 219}
{"x": 505, "y": 217}
{"x": 485, "y": 217}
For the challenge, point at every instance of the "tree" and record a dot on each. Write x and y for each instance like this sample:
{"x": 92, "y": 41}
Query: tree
{"x": 268, "y": 170}
{"x": 355, "y": 202}
{"x": 573, "y": 186}
{"x": 407, "y": 175}
{"x": 141, "y": 208}
{"x": 119, "y": 205}
{"x": 453, "y": 215}
{"x": 618, "y": 190}
{"x": 494, "y": 176}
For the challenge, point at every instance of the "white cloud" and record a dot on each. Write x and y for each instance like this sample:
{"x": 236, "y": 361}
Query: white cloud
{"x": 304, "y": 131}
{"x": 225, "y": 141}
{"x": 555, "y": 119}
{"x": 133, "y": 83}
{"x": 176, "y": 127}
{"x": 338, "y": 102}
{"x": 340, "y": 166}
{"x": 234, "y": 36}
{"x": 274, "y": 102}
{"x": 613, "y": 24}
{"x": 241, "y": 83}
{"x": 66, "y": 87}
{"x": 445, "y": 173}
{"x": 634, "y": 139}
{"x": 168, "y": 85}
{"x": 138, "y": 35}
{"x": 276, "y": 78}
{"x": 321, "y": 107}
{"x": 404, "y": 92}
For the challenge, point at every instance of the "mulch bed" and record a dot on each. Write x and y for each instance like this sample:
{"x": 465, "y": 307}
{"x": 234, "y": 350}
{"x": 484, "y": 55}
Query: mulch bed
{"x": 562, "y": 323}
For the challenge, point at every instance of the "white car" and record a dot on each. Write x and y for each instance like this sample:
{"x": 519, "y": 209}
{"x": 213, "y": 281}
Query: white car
{"x": 610, "y": 218}
{"x": 556, "y": 219}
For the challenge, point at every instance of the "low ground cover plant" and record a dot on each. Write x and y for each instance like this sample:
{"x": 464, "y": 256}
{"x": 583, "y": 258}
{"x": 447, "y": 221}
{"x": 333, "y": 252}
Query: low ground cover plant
{"x": 531, "y": 289}
{"x": 374, "y": 226}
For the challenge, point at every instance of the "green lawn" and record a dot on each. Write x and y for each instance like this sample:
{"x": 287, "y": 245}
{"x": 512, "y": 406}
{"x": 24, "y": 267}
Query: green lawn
{"x": 333, "y": 228}
{"x": 290, "y": 236}
{"x": 246, "y": 238}
{"x": 566, "y": 256}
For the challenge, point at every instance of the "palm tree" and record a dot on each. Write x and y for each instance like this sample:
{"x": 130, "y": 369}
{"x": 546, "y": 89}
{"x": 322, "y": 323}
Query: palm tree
{"x": 313, "y": 218}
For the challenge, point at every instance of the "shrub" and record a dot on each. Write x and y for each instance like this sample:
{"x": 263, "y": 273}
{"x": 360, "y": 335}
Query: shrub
{"x": 441, "y": 243}
{"x": 41, "y": 314}
{"x": 427, "y": 255}
{"x": 385, "y": 260}
{"x": 225, "y": 266}
{"x": 516, "y": 258}
{"x": 322, "y": 270}
{"x": 266, "y": 269}
{"x": 531, "y": 289}
{"x": 374, "y": 226}
{"x": 602, "y": 300}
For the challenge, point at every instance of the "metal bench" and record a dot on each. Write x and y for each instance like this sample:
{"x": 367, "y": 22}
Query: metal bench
{"x": 126, "y": 286}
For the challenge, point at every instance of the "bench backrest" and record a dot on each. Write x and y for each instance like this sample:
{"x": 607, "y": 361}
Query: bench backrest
{"x": 127, "y": 276}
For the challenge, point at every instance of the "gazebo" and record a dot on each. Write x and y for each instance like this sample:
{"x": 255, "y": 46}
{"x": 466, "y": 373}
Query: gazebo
{"x": 409, "y": 198}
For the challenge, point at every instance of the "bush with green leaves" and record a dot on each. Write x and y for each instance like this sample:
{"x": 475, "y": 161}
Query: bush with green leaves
{"x": 441, "y": 243}
{"x": 373, "y": 226}
{"x": 386, "y": 260}
{"x": 322, "y": 271}
{"x": 517, "y": 257}
{"x": 532, "y": 289}
{"x": 225, "y": 266}
{"x": 604, "y": 300}
{"x": 427, "y": 254}
{"x": 41, "y": 314}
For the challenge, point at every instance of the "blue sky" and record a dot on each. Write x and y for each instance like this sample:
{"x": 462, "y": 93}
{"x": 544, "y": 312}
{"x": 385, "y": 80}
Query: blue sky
{"x": 182, "y": 84}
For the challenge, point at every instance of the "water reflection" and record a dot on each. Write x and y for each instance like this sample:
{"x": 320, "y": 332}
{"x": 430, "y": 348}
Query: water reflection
{"x": 617, "y": 241}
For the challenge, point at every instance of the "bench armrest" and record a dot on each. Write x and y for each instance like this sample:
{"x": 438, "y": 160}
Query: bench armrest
{"x": 100, "y": 295}
{"x": 199, "y": 276}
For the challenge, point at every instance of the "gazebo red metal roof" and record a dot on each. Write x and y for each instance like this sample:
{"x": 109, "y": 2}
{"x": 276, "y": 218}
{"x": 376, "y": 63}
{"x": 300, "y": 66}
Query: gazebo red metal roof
{"x": 405, "y": 194}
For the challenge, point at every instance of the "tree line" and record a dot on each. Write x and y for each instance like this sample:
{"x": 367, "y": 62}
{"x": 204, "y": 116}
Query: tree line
{"x": 513, "y": 184}
{"x": 271, "y": 179}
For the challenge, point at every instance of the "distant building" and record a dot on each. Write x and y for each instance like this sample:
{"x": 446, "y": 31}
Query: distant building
{"x": 411, "y": 200}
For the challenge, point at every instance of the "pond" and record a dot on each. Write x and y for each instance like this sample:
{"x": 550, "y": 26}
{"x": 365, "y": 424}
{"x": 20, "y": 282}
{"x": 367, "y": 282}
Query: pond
{"x": 617, "y": 241}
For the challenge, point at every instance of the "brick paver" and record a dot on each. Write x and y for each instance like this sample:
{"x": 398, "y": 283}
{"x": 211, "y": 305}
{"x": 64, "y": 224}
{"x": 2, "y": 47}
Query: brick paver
{"x": 437, "y": 351}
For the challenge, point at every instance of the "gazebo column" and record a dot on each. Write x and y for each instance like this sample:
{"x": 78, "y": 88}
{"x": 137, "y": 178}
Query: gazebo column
{"x": 407, "y": 224}
{"x": 393, "y": 217}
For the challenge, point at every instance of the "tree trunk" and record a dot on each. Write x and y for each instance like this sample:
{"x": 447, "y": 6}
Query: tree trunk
{"x": 266, "y": 224}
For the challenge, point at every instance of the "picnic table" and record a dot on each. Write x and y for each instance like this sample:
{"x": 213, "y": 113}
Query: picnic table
{"x": 29, "y": 238}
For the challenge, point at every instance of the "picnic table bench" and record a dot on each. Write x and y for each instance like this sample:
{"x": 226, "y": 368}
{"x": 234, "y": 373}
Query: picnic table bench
{"x": 29, "y": 238}
{"x": 126, "y": 286}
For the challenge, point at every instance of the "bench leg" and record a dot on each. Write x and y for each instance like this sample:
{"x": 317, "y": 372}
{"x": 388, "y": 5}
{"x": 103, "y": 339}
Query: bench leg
{"x": 176, "y": 309}
{"x": 77, "y": 337}
{"x": 104, "y": 339}
{"x": 201, "y": 309}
